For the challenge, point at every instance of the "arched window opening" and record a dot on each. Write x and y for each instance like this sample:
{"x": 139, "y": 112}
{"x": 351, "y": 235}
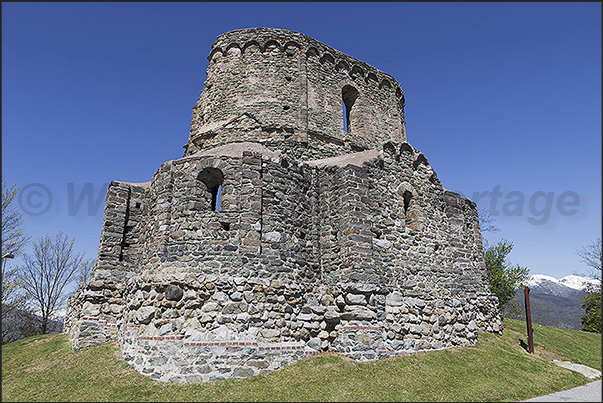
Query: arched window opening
{"x": 213, "y": 179}
{"x": 349, "y": 95}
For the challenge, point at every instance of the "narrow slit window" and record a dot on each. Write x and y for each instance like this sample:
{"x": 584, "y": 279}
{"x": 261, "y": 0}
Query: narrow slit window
{"x": 216, "y": 197}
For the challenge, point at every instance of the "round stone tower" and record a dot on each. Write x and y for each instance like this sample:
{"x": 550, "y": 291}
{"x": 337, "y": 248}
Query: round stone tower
{"x": 291, "y": 92}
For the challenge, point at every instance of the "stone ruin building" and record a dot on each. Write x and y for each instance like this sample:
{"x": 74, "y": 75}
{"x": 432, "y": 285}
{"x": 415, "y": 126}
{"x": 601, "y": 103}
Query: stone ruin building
{"x": 298, "y": 220}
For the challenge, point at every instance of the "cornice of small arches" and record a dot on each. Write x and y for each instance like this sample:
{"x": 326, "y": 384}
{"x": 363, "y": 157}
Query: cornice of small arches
{"x": 291, "y": 48}
{"x": 421, "y": 159}
{"x": 327, "y": 58}
{"x": 213, "y": 52}
{"x": 356, "y": 72}
{"x": 324, "y": 57}
{"x": 342, "y": 67}
{"x": 372, "y": 77}
{"x": 385, "y": 84}
{"x": 400, "y": 96}
{"x": 270, "y": 45}
{"x": 233, "y": 46}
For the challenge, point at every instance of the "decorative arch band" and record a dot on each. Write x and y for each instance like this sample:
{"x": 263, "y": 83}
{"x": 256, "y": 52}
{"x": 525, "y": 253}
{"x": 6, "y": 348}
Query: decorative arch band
{"x": 339, "y": 64}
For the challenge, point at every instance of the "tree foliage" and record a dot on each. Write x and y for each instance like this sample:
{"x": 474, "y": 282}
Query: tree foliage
{"x": 52, "y": 265}
{"x": 591, "y": 256}
{"x": 591, "y": 320}
{"x": 504, "y": 277}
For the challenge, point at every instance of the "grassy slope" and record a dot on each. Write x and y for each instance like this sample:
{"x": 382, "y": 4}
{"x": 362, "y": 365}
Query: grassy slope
{"x": 44, "y": 368}
{"x": 575, "y": 345}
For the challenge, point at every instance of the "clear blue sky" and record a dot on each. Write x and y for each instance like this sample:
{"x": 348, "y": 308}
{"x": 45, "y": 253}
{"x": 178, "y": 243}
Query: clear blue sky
{"x": 499, "y": 97}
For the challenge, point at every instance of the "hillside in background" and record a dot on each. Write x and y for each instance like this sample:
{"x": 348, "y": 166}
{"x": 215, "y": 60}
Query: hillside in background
{"x": 553, "y": 302}
{"x": 19, "y": 323}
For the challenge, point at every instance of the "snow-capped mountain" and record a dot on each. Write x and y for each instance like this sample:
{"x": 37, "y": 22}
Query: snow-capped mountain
{"x": 578, "y": 282}
{"x": 555, "y": 302}
{"x": 571, "y": 286}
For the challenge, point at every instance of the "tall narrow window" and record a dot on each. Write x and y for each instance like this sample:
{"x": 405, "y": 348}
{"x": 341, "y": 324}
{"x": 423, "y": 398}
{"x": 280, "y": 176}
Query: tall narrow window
{"x": 213, "y": 179}
{"x": 348, "y": 95}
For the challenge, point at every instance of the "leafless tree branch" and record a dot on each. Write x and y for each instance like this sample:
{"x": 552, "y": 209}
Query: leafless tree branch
{"x": 52, "y": 265}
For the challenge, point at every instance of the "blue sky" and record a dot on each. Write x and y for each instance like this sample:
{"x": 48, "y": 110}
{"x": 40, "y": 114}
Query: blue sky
{"x": 504, "y": 99}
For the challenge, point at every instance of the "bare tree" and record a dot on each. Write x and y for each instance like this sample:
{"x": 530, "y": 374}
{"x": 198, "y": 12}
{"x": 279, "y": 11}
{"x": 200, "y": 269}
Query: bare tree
{"x": 83, "y": 276}
{"x": 486, "y": 224}
{"x": 486, "y": 221}
{"x": 52, "y": 265}
{"x": 13, "y": 242}
{"x": 13, "y": 235}
{"x": 592, "y": 257}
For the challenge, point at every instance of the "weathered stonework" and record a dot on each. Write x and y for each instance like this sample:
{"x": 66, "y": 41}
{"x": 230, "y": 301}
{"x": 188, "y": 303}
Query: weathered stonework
{"x": 279, "y": 234}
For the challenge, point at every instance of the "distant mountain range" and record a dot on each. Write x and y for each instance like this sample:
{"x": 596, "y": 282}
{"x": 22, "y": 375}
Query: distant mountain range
{"x": 568, "y": 286}
{"x": 553, "y": 302}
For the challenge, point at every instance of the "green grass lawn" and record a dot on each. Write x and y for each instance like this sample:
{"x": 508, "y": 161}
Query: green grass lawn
{"x": 497, "y": 368}
{"x": 581, "y": 348}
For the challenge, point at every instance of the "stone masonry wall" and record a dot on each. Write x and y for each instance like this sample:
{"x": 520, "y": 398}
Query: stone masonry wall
{"x": 280, "y": 235}
{"x": 279, "y": 87}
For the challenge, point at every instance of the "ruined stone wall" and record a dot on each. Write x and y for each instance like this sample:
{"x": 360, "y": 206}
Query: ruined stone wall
{"x": 119, "y": 244}
{"x": 93, "y": 310}
{"x": 254, "y": 250}
{"x": 287, "y": 91}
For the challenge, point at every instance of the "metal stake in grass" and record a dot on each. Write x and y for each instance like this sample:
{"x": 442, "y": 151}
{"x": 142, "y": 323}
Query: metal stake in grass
{"x": 526, "y": 297}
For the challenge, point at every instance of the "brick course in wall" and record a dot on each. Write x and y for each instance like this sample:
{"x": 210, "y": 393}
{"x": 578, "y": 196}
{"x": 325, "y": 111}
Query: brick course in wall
{"x": 325, "y": 239}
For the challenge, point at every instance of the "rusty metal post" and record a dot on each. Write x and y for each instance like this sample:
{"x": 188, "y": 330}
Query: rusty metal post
{"x": 526, "y": 297}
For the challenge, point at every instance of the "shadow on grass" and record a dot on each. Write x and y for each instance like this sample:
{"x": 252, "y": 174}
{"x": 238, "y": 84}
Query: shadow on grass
{"x": 524, "y": 345}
